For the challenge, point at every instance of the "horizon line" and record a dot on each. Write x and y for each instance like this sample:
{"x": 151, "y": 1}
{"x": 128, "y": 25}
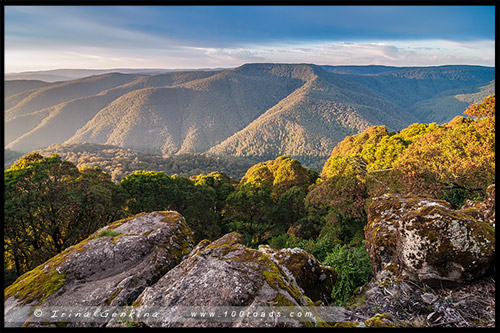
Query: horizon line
{"x": 234, "y": 67}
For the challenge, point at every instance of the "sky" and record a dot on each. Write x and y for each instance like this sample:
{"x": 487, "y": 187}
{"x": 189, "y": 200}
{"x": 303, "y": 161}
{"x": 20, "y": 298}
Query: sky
{"x": 105, "y": 37}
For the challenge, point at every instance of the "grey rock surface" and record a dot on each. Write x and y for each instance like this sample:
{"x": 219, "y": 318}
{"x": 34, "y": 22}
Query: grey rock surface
{"x": 111, "y": 267}
{"x": 221, "y": 274}
{"x": 428, "y": 241}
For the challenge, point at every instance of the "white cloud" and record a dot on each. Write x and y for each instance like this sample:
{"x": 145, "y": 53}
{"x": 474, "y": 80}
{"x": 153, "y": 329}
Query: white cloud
{"x": 392, "y": 53}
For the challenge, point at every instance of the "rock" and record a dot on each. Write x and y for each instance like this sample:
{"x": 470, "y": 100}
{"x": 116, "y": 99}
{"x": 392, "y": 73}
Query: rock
{"x": 483, "y": 210}
{"x": 424, "y": 239}
{"x": 111, "y": 267}
{"x": 226, "y": 273}
{"x": 411, "y": 303}
{"x": 315, "y": 280}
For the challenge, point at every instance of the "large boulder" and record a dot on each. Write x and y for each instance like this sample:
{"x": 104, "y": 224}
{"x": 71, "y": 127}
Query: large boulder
{"x": 111, "y": 267}
{"x": 227, "y": 274}
{"x": 314, "y": 280}
{"x": 428, "y": 241}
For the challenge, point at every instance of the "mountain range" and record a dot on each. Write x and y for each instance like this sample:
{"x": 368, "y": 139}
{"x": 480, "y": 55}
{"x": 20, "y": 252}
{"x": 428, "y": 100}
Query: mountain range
{"x": 259, "y": 111}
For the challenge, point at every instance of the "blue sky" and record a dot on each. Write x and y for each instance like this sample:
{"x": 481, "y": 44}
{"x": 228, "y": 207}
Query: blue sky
{"x": 49, "y": 37}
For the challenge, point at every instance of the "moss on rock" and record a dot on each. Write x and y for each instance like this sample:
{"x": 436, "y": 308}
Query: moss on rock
{"x": 385, "y": 320}
{"x": 427, "y": 240}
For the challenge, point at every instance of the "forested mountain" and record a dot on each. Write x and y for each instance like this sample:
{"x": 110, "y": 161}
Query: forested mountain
{"x": 259, "y": 111}
{"x": 314, "y": 118}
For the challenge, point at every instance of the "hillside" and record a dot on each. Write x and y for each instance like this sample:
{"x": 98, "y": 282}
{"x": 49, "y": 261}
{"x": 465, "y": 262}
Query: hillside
{"x": 449, "y": 101}
{"x": 408, "y": 86}
{"x": 17, "y": 86}
{"x": 188, "y": 118}
{"x": 314, "y": 118}
{"x": 259, "y": 111}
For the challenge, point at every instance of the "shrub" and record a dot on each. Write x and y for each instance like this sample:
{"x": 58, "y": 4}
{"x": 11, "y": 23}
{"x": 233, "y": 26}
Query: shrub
{"x": 353, "y": 267}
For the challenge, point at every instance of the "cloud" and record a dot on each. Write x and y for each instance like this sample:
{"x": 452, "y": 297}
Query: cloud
{"x": 225, "y": 36}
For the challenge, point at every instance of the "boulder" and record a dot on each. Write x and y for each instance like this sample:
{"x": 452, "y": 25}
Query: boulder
{"x": 314, "y": 280}
{"x": 426, "y": 240}
{"x": 483, "y": 210}
{"x": 111, "y": 267}
{"x": 227, "y": 274}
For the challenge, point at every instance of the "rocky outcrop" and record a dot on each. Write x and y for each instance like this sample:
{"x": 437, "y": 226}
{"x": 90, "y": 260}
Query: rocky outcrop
{"x": 111, "y": 267}
{"x": 148, "y": 262}
{"x": 314, "y": 280}
{"x": 428, "y": 241}
{"x": 483, "y": 210}
{"x": 226, "y": 273}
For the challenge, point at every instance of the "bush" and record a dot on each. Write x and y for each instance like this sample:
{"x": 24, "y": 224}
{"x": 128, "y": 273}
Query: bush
{"x": 319, "y": 248}
{"x": 353, "y": 267}
{"x": 279, "y": 242}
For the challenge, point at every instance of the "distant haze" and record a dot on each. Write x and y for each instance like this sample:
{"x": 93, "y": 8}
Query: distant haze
{"x": 56, "y": 75}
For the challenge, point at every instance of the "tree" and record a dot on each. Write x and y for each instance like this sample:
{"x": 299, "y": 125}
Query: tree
{"x": 50, "y": 205}
{"x": 280, "y": 175}
{"x": 149, "y": 191}
{"x": 338, "y": 204}
{"x": 221, "y": 183}
{"x": 197, "y": 203}
{"x": 484, "y": 109}
{"x": 152, "y": 191}
{"x": 289, "y": 209}
{"x": 249, "y": 210}
{"x": 462, "y": 156}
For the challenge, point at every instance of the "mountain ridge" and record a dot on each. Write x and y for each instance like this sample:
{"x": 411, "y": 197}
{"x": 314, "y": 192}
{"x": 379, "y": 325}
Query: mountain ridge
{"x": 259, "y": 110}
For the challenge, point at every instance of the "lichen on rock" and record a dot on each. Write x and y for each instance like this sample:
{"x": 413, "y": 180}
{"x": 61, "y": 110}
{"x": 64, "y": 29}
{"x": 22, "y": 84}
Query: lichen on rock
{"x": 225, "y": 273}
{"x": 315, "y": 280}
{"x": 483, "y": 210}
{"x": 106, "y": 270}
{"x": 426, "y": 240}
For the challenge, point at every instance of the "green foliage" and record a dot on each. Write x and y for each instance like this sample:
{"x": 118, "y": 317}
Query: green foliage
{"x": 280, "y": 241}
{"x": 198, "y": 204}
{"x": 196, "y": 200}
{"x": 289, "y": 208}
{"x": 338, "y": 202}
{"x": 249, "y": 210}
{"x": 374, "y": 149}
{"x": 484, "y": 109}
{"x": 50, "y": 205}
{"x": 280, "y": 175}
{"x": 221, "y": 183}
{"x": 149, "y": 191}
{"x": 318, "y": 247}
{"x": 415, "y": 131}
{"x": 344, "y": 166}
{"x": 458, "y": 156}
{"x": 454, "y": 161}
{"x": 353, "y": 267}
